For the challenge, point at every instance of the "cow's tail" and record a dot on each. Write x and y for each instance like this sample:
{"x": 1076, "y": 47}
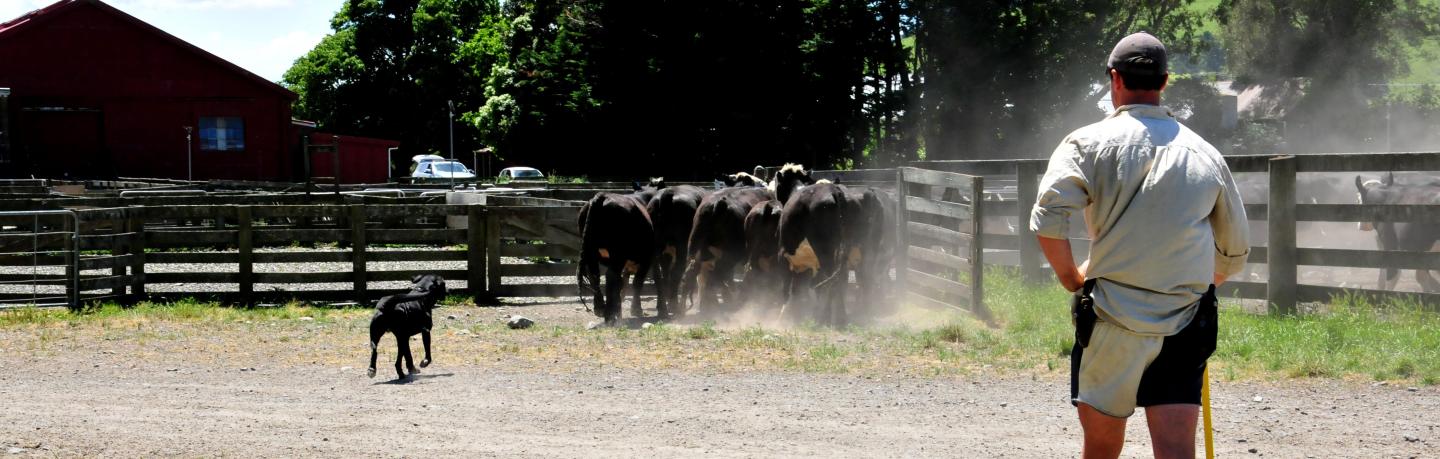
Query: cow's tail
{"x": 699, "y": 239}
{"x": 587, "y": 271}
{"x": 840, "y": 271}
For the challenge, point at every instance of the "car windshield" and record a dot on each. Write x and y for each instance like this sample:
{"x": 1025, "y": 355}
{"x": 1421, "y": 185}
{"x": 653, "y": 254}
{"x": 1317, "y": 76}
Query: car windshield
{"x": 450, "y": 167}
{"x": 526, "y": 173}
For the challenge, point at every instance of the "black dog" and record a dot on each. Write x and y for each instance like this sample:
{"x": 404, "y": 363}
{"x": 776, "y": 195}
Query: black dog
{"x": 404, "y": 315}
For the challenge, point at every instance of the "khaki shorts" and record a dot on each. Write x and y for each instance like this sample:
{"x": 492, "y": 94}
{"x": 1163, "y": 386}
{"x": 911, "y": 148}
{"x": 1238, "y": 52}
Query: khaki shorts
{"x": 1121, "y": 370}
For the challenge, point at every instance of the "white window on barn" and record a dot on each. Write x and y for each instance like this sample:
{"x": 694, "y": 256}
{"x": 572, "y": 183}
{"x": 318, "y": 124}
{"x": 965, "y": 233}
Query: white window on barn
{"x": 222, "y": 133}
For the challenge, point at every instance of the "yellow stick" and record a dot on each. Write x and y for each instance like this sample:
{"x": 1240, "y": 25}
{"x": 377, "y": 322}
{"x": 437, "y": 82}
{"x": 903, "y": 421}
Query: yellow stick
{"x": 1205, "y": 409}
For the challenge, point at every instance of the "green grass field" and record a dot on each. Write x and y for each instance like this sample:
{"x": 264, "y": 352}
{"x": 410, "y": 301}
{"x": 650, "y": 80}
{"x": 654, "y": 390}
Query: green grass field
{"x": 1351, "y": 339}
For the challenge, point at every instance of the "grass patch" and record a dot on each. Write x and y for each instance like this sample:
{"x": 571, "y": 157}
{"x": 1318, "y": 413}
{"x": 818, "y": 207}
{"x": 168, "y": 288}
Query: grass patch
{"x": 1351, "y": 337}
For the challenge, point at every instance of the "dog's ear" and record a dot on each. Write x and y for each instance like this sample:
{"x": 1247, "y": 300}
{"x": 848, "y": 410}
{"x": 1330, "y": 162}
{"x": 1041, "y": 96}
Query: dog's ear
{"x": 416, "y": 278}
{"x": 1389, "y": 179}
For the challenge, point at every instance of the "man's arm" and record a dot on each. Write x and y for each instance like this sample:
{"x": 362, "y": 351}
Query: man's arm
{"x": 1057, "y": 251}
{"x": 1232, "y": 230}
{"x": 1063, "y": 191}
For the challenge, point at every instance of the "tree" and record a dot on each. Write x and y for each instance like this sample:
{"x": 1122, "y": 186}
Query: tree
{"x": 1008, "y": 79}
{"x": 1345, "y": 51}
{"x": 389, "y": 69}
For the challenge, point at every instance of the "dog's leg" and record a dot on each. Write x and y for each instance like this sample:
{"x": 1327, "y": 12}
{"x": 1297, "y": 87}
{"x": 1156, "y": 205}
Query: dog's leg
{"x": 425, "y": 340}
{"x": 377, "y": 331}
{"x": 409, "y": 358}
{"x": 401, "y": 346}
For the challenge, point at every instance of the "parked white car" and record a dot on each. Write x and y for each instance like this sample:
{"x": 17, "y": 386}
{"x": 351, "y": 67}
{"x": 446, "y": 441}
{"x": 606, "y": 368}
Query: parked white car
{"x": 441, "y": 168}
{"x": 521, "y": 173}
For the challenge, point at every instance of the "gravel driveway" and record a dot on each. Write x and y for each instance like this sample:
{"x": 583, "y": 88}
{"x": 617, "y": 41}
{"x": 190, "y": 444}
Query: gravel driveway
{"x": 297, "y": 387}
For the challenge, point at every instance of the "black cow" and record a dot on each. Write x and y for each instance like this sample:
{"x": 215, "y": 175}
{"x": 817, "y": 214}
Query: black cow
{"x": 717, "y": 244}
{"x": 1411, "y": 237}
{"x": 616, "y": 232}
{"x": 867, "y": 224}
{"x": 673, "y": 213}
{"x": 403, "y": 316}
{"x": 812, "y": 241}
{"x": 764, "y": 280}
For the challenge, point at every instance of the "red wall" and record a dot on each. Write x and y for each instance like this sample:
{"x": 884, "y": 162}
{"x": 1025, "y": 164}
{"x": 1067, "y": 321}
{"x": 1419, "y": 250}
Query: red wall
{"x": 362, "y": 159}
{"x": 133, "y": 90}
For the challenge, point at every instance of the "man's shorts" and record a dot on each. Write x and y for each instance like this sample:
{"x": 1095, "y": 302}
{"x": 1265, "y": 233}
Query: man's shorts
{"x": 1121, "y": 369}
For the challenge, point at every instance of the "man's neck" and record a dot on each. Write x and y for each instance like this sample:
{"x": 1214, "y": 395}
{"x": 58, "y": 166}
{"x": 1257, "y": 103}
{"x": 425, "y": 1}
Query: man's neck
{"x": 1138, "y": 98}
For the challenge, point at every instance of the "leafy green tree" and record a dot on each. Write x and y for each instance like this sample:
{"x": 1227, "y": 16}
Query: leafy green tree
{"x": 391, "y": 66}
{"x": 1345, "y": 51}
{"x": 1008, "y": 79}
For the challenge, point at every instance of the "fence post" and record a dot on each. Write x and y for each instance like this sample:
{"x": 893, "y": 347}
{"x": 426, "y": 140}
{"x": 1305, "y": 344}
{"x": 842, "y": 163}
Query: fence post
{"x": 977, "y": 249}
{"x": 1280, "y": 252}
{"x": 72, "y": 261}
{"x": 475, "y": 233}
{"x": 117, "y": 248}
{"x": 136, "y": 226}
{"x": 245, "y": 236}
{"x": 1027, "y": 177}
{"x": 492, "y": 250}
{"x": 902, "y": 229}
{"x": 357, "y": 252}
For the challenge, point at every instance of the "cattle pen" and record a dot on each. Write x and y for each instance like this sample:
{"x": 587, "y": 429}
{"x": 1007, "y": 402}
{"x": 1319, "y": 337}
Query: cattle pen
{"x": 959, "y": 217}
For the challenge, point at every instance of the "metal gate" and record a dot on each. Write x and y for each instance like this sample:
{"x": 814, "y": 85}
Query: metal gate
{"x": 39, "y": 263}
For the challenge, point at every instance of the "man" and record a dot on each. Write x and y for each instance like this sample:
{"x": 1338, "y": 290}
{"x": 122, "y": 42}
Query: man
{"x": 1165, "y": 223}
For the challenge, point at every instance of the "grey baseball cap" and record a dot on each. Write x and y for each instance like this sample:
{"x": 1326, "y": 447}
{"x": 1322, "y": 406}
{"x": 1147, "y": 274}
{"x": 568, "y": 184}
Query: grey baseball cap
{"x": 1139, "y": 54}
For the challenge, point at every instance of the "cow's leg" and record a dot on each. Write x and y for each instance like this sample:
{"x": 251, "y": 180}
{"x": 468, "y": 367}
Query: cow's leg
{"x": 614, "y": 284}
{"x": 425, "y": 340}
{"x": 1427, "y": 281}
{"x": 636, "y": 309}
{"x": 662, "y": 286}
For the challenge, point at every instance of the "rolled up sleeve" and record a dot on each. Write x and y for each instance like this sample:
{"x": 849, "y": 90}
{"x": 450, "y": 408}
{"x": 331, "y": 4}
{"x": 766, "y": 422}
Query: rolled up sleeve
{"x": 1063, "y": 190}
{"x": 1231, "y": 227}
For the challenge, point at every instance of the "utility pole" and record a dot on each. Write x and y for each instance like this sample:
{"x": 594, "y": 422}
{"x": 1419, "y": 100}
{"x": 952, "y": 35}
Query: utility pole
{"x": 189, "y": 155}
{"x": 451, "y": 103}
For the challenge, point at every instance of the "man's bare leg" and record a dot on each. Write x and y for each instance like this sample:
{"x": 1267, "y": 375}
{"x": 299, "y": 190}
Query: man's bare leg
{"x": 1104, "y": 434}
{"x": 1172, "y": 430}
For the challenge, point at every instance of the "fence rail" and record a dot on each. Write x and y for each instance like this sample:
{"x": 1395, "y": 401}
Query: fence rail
{"x": 1278, "y": 250}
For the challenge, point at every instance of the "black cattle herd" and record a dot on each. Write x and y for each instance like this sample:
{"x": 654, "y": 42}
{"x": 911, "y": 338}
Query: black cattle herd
{"x": 797, "y": 240}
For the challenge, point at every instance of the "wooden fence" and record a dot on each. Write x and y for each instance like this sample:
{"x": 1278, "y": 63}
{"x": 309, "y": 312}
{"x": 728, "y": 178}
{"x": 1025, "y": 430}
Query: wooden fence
{"x": 1278, "y": 252}
{"x": 104, "y": 253}
{"x": 940, "y": 261}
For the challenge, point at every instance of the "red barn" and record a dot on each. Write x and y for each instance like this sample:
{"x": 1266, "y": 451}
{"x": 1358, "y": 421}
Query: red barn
{"x": 95, "y": 92}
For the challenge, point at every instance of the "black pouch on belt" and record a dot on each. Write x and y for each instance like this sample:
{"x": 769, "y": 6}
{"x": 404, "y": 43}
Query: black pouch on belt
{"x": 1082, "y": 313}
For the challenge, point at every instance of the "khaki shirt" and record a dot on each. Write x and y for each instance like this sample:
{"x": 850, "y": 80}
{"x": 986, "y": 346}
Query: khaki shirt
{"x": 1161, "y": 210}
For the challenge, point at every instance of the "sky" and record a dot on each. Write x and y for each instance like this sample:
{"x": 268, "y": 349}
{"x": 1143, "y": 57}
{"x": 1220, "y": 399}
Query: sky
{"x": 262, "y": 36}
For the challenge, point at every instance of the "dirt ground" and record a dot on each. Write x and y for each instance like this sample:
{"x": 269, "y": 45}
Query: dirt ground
{"x": 298, "y": 387}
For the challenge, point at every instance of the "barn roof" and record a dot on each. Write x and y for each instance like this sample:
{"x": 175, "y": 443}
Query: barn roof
{"x": 58, "y": 9}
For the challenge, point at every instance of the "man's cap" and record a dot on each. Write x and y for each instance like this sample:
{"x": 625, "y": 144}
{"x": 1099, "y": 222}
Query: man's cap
{"x": 1139, "y": 54}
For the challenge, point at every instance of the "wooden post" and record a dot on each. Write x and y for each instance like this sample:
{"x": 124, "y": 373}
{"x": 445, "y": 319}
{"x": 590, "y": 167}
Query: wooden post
{"x": 492, "y": 251}
{"x": 357, "y": 251}
{"x": 117, "y": 248}
{"x": 902, "y": 230}
{"x": 1027, "y": 177}
{"x": 245, "y": 241}
{"x": 136, "y": 225}
{"x": 476, "y": 241}
{"x": 977, "y": 249}
{"x": 72, "y": 263}
{"x": 1280, "y": 254}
